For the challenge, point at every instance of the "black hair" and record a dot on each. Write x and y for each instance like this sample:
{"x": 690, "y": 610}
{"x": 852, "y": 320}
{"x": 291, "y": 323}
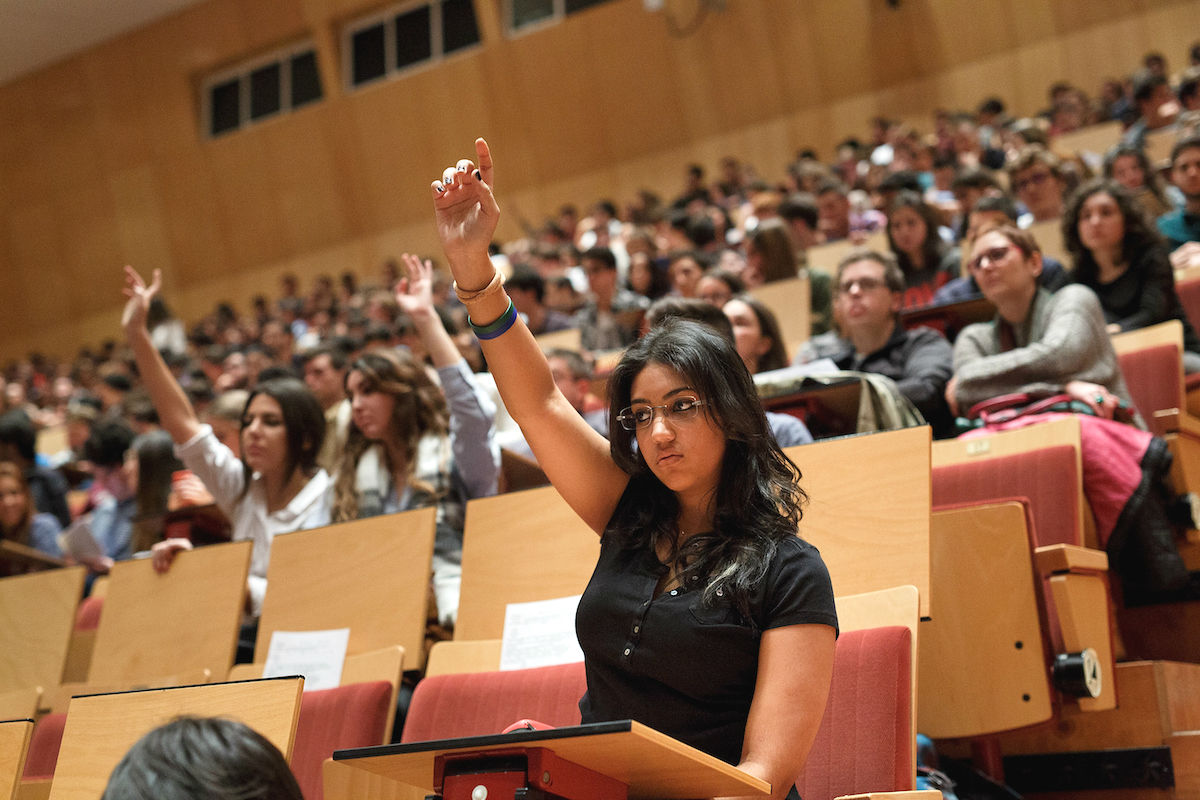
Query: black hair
{"x": 974, "y": 178}
{"x": 109, "y": 440}
{"x": 338, "y": 357}
{"x": 1140, "y": 233}
{"x": 195, "y": 758}
{"x": 276, "y": 371}
{"x": 997, "y": 202}
{"x": 17, "y": 430}
{"x": 527, "y": 279}
{"x": 1144, "y": 84}
{"x": 903, "y": 181}
{"x": 758, "y": 496}
{"x": 1186, "y": 143}
{"x": 799, "y": 206}
{"x": 700, "y": 311}
{"x": 303, "y": 419}
{"x": 157, "y": 463}
{"x": 602, "y": 254}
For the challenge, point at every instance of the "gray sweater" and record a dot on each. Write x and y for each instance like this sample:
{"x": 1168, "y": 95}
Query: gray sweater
{"x": 1063, "y": 339}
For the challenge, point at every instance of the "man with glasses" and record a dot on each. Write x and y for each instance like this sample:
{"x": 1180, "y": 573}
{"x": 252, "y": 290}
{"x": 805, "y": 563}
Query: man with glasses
{"x": 868, "y": 294}
{"x": 1037, "y": 180}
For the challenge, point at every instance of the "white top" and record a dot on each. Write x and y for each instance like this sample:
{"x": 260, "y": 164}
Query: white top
{"x": 222, "y": 474}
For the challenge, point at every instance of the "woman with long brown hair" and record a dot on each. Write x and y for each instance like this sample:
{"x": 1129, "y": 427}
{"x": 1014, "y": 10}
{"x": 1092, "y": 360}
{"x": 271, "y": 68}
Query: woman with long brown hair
{"x": 20, "y": 521}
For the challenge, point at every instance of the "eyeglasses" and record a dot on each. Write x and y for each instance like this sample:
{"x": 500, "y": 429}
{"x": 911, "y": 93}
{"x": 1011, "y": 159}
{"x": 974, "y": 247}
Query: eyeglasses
{"x": 1036, "y": 179}
{"x": 864, "y": 285}
{"x": 990, "y": 256}
{"x": 678, "y": 411}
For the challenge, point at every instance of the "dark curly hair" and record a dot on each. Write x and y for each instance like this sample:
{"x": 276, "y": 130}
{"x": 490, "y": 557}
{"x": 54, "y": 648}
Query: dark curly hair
{"x": 758, "y": 500}
{"x": 1140, "y": 233}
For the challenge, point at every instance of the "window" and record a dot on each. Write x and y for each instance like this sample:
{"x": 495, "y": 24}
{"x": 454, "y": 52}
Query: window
{"x": 261, "y": 89}
{"x": 407, "y": 36}
{"x": 527, "y": 13}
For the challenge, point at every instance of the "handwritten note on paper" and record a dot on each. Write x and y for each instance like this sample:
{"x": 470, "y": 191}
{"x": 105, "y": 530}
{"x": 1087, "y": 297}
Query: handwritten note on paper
{"x": 317, "y": 655}
{"x": 540, "y": 634}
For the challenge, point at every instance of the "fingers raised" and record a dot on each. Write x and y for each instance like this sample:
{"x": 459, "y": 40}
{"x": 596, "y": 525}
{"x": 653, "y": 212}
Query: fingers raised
{"x": 483, "y": 155}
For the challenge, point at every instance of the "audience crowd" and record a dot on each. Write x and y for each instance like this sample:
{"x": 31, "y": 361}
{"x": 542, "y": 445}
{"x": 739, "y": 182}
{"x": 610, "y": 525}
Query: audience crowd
{"x": 381, "y": 392}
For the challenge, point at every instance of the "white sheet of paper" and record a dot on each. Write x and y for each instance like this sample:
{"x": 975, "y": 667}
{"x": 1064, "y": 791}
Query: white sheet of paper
{"x": 317, "y": 655}
{"x": 77, "y": 540}
{"x": 540, "y": 634}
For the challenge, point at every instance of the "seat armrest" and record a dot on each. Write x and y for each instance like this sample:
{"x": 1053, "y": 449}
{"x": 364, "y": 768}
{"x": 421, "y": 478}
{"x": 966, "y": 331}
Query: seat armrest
{"x": 1058, "y": 558}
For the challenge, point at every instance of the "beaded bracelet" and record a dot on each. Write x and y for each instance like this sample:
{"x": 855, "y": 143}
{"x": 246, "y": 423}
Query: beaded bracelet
{"x": 497, "y": 328}
{"x": 492, "y": 287}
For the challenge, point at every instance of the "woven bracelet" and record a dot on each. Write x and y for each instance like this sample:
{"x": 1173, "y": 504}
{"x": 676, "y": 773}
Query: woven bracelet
{"x": 497, "y": 328}
{"x": 492, "y": 287}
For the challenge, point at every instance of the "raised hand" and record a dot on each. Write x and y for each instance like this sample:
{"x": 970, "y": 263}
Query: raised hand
{"x": 414, "y": 291}
{"x": 140, "y": 295}
{"x": 467, "y": 214}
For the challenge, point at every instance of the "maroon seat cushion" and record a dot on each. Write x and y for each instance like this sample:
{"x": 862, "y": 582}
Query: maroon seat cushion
{"x": 336, "y": 719}
{"x": 1153, "y": 378}
{"x": 865, "y": 742}
{"x": 1189, "y": 297}
{"x": 1048, "y": 477}
{"x": 474, "y": 704}
{"x": 44, "y": 747}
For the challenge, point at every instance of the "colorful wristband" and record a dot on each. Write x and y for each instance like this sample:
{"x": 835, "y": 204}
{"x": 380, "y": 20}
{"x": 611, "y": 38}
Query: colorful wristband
{"x": 497, "y": 328}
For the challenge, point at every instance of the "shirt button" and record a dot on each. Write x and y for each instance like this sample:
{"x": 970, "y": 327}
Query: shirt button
{"x": 674, "y": 592}
{"x": 637, "y": 628}
{"x": 627, "y": 651}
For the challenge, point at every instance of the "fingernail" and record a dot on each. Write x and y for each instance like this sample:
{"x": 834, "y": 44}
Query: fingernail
{"x": 440, "y": 189}
{"x": 462, "y": 169}
{"x": 478, "y": 177}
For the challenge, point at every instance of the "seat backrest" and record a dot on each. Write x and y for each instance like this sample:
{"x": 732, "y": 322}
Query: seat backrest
{"x": 463, "y": 655}
{"x": 1044, "y": 473}
{"x": 1095, "y": 139}
{"x": 790, "y": 302}
{"x": 20, "y": 703}
{"x": 865, "y": 742}
{"x": 37, "y": 613}
{"x": 370, "y": 575}
{"x": 520, "y": 547}
{"x": 478, "y": 703}
{"x": 1187, "y": 286}
{"x": 825, "y": 257}
{"x": 100, "y": 728}
{"x": 14, "y": 744}
{"x": 1151, "y": 362}
{"x": 868, "y": 509}
{"x": 173, "y": 623}
{"x": 1048, "y": 234}
{"x": 350, "y": 716}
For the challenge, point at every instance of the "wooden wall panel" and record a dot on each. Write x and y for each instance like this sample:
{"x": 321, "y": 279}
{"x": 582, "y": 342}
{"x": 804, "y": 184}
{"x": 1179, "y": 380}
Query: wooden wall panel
{"x": 103, "y": 160}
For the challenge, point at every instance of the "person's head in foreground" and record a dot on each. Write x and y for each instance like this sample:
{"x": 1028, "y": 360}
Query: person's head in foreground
{"x": 195, "y": 758}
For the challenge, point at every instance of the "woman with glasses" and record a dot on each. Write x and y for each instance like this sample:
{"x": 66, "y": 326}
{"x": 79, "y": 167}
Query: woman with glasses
{"x": 707, "y": 618}
{"x": 1042, "y": 344}
{"x": 1121, "y": 257}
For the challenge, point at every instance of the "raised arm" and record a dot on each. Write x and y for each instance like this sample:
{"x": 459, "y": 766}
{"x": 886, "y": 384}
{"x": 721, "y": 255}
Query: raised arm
{"x": 574, "y": 457}
{"x": 175, "y": 411}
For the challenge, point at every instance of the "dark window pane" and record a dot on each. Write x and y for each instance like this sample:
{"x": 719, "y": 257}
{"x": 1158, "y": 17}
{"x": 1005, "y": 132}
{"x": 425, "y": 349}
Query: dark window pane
{"x": 370, "y": 62}
{"x": 225, "y": 107}
{"x": 413, "y": 41}
{"x": 579, "y": 5}
{"x": 458, "y": 25}
{"x": 264, "y": 91}
{"x": 526, "y": 12}
{"x": 306, "y": 82}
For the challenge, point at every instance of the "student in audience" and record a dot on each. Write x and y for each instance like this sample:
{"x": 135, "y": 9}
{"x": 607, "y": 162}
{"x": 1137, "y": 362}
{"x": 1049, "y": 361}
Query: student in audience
{"x": 924, "y": 258}
{"x": 528, "y": 291}
{"x": 1128, "y": 166}
{"x": 412, "y": 444}
{"x": 870, "y": 338}
{"x": 1044, "y": 344}
{"x": 224, "y": 416}
{"x": 756, "y": 334}
{"x": 1036, "y": 177}
{"x": 698, "y": 523}
{"x": 1183, "y": 224}
{"x": 645, "y": 277}
{"x": 685, "y": 272}
{"x": 1156, "y": 105}
{"x": 771, "y": 256}
{"x": 276, "y": 487}
{"x": 990, "y": 211}
{"x": 600, "y": 320}
{"x": 325, "y": 375}
{"x": 836, "y": 217}
{"x": 114, "y": 491}
{"x": 18, "y": 441}
{"x": 20, "y": 521}
{"x": 1120, "y": 256}
{"x": 194, "y": 758}
{"x": 573, "y": 376}
{"x": 718, "y": 286}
